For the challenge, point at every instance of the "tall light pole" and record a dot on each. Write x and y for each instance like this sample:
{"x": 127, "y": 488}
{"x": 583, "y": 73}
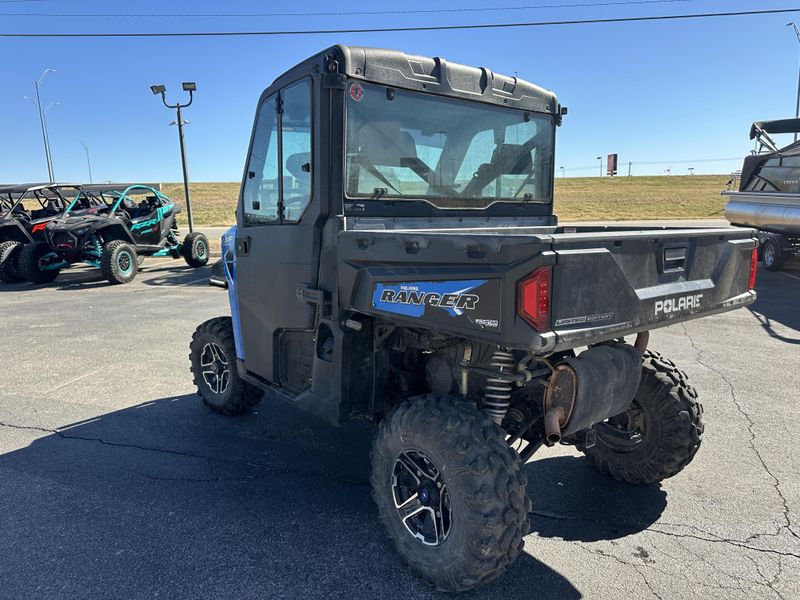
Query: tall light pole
{"x": 562, "y": 172}
{"x": 797, "y": 105}
{"x": 47, "y": 138}
{"x": 42, "y": 122}
{"x": 600, "y": 158}
{"x": 43, "y": 119}
{"x": 88, "y": 162}
{"x": 191, "y": 87}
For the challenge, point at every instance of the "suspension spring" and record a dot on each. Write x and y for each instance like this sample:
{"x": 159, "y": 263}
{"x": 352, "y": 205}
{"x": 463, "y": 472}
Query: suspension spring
{"x": 497, "y": 395}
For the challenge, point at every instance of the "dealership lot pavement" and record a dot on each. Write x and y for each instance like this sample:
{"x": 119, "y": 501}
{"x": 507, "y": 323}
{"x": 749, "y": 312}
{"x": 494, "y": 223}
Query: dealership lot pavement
{"x": 116, "y": 483}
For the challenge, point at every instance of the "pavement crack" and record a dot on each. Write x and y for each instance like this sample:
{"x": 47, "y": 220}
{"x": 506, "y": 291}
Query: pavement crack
{"x": 706, "y": 537}
{"x": 638, "y": 568}
{"x": 721, "y": 540}
{"x": 752, "y": 437}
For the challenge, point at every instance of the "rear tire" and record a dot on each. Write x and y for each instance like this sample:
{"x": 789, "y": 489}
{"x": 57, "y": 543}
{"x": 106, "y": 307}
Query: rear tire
{"x": 666, "y": 416}
{"x": 212, "y": 353}
{"x": 195, "y": 249}
{"x": 30, "y": 263}
{"x": 9, "y": 262}
{"x": 119, "y": 262}
{"x": 772, "y": 255}
{"x": 482, "y": 502}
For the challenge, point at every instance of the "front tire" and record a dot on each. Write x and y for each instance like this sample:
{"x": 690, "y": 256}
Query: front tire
{"x": 119, "y": 262}
{"x": 772, "y": 255}
{"x": 212, "y": 353}
{"x": 195, "y": 249}
{"x": 659, "y": 434}
{"x": 9, "y": 262}
{"x": 30, "y": 263}
{"x": 468, "y": 530}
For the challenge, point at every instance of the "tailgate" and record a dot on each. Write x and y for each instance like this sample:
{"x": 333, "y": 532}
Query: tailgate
{"x": 610, "y": 282}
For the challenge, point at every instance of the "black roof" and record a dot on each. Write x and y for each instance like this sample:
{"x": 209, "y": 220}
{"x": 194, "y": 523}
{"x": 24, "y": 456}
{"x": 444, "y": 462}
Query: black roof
{"x": 778, "y": 126}
{"x": 18, "y": 189}
{"x": 21, "y": 188}
{"x": 426, "y": 74}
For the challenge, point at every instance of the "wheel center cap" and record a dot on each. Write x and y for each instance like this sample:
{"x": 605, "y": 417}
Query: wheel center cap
{"x": 428, "y": 495}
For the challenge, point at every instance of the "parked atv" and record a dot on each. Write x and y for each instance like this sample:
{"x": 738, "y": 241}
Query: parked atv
{"x": 115, "y": 237}
{"x": 400, "y": 261}
{"x": 25, "y": 211}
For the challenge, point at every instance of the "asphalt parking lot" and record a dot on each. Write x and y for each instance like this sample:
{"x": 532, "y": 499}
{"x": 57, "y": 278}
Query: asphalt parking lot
{"x": 115, "y": 482}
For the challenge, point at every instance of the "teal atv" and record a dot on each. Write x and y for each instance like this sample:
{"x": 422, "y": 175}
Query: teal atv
{"x": 130, "y": 224}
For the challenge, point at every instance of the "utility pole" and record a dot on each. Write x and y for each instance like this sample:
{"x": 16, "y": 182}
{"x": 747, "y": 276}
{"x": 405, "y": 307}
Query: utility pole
{"x": 88, "y": 162}
{"x": 629, "y": 168}
{"x": 797, "y": 105}
{"x": 191, "y": 87}
{"x": 43, "y": 123}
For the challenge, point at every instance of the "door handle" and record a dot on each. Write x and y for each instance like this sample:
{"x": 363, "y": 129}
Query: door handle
{"x": 243, "y": 246}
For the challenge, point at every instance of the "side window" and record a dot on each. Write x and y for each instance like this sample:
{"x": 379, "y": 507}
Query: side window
{"x": 281, "y": 137}
{"x": 260, "y": 194}
{"x": 296, "y": 138}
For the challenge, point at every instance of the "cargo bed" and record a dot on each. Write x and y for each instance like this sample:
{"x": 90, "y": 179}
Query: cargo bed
{"x": 605, "y": 282}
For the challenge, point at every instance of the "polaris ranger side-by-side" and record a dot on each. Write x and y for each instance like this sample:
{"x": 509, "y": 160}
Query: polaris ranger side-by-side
{"x": 130, "y": 223}
{"x": 396, "y": 258}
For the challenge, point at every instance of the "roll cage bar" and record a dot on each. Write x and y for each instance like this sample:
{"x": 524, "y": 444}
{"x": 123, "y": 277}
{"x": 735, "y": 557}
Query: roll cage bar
{"x": 119, "y": 193}
{"x": 13, "y": 195}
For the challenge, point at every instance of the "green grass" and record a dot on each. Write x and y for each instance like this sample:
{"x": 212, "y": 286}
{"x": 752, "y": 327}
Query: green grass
{"x": 632, "y": 198}
{"x": 213, "y": 204}
{"x": 576, "y": 199}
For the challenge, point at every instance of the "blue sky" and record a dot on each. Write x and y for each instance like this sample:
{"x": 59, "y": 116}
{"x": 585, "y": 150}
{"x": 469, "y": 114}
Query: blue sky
{"x": 660, "y": 92}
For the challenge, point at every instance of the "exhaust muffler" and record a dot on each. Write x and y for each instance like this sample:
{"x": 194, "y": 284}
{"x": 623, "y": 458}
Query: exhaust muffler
{"x": 597, "y": 384}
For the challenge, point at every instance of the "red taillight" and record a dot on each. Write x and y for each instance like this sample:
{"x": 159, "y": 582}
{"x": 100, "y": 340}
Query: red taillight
{"x": 753, "y": 268}
{"x": 533, "y": 299}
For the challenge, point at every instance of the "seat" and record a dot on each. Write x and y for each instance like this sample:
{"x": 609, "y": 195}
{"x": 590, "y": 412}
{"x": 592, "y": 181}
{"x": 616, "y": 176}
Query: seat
{"x": 296, "y": 192}
{"x": 53, "y": 207}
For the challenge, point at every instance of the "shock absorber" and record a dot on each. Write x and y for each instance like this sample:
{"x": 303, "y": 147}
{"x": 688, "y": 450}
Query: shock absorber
{"x": 497, "y": 395}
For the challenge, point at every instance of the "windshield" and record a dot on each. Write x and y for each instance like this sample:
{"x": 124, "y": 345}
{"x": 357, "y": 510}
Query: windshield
{"x": 453, "y": 153}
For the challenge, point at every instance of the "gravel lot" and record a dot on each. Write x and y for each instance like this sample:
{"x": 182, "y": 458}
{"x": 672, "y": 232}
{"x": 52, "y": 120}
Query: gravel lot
{"x": 116, "y": 483}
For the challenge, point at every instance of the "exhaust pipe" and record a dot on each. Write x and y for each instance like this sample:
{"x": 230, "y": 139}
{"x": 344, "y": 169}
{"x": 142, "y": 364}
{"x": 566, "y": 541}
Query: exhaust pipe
{"x": 552, "y": 425}
{"x": 641, "y": 341}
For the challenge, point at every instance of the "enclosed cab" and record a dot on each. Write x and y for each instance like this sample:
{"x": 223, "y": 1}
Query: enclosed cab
{"x": 396, "y": 258}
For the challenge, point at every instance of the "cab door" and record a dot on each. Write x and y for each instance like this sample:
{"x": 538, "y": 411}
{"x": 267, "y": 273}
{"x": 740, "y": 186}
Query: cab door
{"x": 277, "y": 249}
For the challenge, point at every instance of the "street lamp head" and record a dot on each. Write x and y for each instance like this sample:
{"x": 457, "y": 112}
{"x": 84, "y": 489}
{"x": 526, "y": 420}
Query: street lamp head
{"x": 158, "y": 89}
{"x": 43, "y": 75}
{"x": 189, "y": 86}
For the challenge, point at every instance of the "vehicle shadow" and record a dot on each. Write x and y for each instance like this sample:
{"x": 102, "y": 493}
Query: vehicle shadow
{"x": 574, "y": 502}
{"x": 777, "y": 302}
{"x": 177, "y": 273}
{"x": 79, "y": 277}
{"x": 168, "y": 499}
{"x": 154, "y": 274}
